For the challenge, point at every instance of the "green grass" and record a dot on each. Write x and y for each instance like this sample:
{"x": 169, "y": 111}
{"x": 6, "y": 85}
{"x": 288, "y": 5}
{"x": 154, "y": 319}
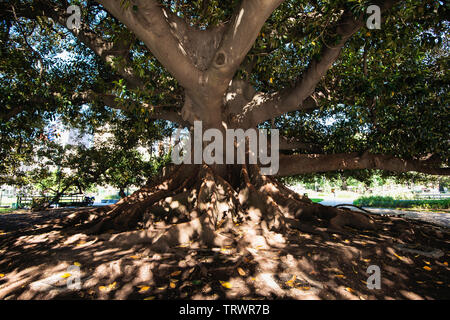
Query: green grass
{"x": 6, "y": 210}
{"x": 389, "y": 202}
{"x": 316, "y": 200}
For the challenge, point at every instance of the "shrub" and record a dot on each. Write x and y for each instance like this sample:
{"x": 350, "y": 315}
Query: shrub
{"x": 389, "y": 202}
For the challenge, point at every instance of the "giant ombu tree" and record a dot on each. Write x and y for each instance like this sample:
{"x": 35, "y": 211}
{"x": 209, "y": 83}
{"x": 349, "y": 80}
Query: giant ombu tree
{"x": 248, "y": 64}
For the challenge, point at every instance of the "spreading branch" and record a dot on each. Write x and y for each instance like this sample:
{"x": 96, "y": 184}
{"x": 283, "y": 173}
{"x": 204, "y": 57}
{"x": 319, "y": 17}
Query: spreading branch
{"x": 112, "y": 101}
{"x": 266, "y": 106}
{"x": 310, "y": 163}
{"x": 149, "y": 21}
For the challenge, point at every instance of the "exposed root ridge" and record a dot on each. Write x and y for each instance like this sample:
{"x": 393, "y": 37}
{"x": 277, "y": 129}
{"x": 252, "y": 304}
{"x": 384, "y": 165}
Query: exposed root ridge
{"x": 194, "y": 206}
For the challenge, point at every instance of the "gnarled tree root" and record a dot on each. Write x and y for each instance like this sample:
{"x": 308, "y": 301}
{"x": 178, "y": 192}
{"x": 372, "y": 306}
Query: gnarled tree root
{"x": 213, "y": 211}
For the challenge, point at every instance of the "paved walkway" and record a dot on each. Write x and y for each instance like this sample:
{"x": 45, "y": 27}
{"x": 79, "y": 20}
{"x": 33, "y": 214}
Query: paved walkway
{"x": 441, "y": 219}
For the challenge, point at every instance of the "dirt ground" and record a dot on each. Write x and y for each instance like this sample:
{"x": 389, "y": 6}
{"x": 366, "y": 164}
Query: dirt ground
{"x": 35, "y": 256}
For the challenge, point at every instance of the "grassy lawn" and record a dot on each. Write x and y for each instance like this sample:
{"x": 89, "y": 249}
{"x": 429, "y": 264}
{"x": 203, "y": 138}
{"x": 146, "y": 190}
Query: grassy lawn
{"x": 316, "y": 200}
{"x": 6, "y": 210}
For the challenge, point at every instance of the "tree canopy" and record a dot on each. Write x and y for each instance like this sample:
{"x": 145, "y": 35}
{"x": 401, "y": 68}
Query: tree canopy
{"x": 342, "y": 95}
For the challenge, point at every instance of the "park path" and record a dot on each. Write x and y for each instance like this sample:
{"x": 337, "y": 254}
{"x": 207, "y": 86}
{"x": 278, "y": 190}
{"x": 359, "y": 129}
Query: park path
{"x": 437, "y": 218}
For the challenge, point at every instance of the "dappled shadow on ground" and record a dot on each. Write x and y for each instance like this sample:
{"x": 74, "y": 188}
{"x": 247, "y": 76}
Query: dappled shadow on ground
{"x": 303, "y": 267}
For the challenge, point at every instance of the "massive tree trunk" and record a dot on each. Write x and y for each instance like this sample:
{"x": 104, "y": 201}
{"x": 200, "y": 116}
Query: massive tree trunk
{"x": 224, "y": 204}
{"x": 195, "y": 205}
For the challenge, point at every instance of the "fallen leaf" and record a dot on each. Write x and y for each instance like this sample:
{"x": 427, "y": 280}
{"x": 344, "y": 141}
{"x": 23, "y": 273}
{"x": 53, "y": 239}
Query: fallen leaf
{"x": 289, "y": 283}
{"x": 172, "y": 285}
{"x": 2, "y": 275}
{"x": 135, "y": 257}
{"x": 427, "y": 262}
{"x": 446, "y": 263}
{"x": 401, "y": 258}
{"x": 340, "y": 276}
{"x": 427, "y": 268}
{"x": 226, "y": 284}
{"x": 65, "y": 275}
{"x": 150, "y": 298}
{"x": 143, "y": 289}
{"x": 349, "y": 290}
{"x": 77, "y": 264}
{"x": 175, "y": 273}
{"x": 305, "y": 288}
{"x": 241, "y": 271}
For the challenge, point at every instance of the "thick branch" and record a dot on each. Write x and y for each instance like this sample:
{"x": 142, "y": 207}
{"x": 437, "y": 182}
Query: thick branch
{"x": 239, "y": 38}
{"x": 149, "y": 21}
{"x": 157, "y": 113}
{"x": 299, "y": 97}
{"x": 310, "y": 163}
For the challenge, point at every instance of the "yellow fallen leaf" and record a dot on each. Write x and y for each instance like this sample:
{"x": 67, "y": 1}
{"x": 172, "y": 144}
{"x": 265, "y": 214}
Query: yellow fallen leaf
{"x": 401, "y": 258}
{"x": 143, "y": 289}
{"x": 427, "y": 268}
{"x": 2, "y": 275}
{"x": 340, "y": 276}
{"x": 135, "y": 257}
{"x": 427, "y": 262}
{"x": 241, "y": 271}
{"x": 172, "y": 285}
{"x": 226, "y": 284}
{"x": 289, "y": 283}
{"x": 439, "y": 282}
{"x": 175, "y": 273}
{"x": 305, "y": 288}
{"x": 349, "y": 290}
{"x": 77, "y": 264}
{"x": 446, "y": 263}
{"x": 150, "y": 298}
{"x": 271, "y": 80}
{"x": 253, "y": 279}
{"x": 109, "y": 287}
{"x": 65, "y": 275}
{"x": 80, "y": 243}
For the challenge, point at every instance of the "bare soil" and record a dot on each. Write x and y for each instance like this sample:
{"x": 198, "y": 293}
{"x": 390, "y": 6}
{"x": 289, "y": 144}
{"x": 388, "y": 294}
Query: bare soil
{"x": 34, "y": 252}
